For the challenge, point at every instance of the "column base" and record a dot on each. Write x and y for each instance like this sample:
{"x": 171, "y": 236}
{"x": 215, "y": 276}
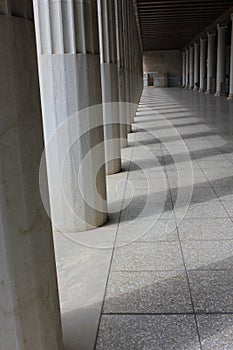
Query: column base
{"x": 219, "y": 94}
{"x": 209, "y": 92}
{"x": 230, "y": 97}
{"x": 201, "y": 90}
{"x": 195, "y": 88}
{"x": 190, "y": 88}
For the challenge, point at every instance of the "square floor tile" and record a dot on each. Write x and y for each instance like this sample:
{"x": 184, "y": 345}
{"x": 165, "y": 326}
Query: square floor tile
{"x": 228, "y": 205}
{"x": 206, "y": 229}
{"x": 162, "y": 230}
{"x": 148, "y": 256}
{"x": 212, "y": 291}
{"x": 208, "y": 255}
{"x": 147, "y": 292}
{"x": 213, "y": 164}
{"x": 198, "y": 194}
{"x": 216, "y": 331}
{"x": 131, "y": 332}
{"x": 202, "y": 210}
{"x": 225, "y": 193}
{"x": 141, "y": 209}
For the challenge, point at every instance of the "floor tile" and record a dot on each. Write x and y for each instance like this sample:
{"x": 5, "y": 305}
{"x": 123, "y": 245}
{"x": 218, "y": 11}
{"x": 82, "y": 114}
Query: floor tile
{"x": 148, "y": 256}
{"x": 216, "y": 331}
{"x": 228, "y": 205}
{"x": 162, "y": 230}
{"x": 202, "y": 210}
{"x": 199, "y": 194}
{"x": 129, "y": 332}
{"x": 206, "y": 229}
{"x": 147, "y": 292}
{"x": 212, "y": 291}
{"x": 208, "y": 255}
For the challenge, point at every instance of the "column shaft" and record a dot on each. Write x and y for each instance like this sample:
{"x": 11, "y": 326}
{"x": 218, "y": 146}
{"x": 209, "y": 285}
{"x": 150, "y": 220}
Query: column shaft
{"x": 183, "y": 68}
{"x": 211, "y": 80}
{"x": 30, "y": 315}
{"x": 221, "y": 62}
{"x": 230, "y": 97}
{"x": 68, "y": 55}
{"x": 121, "y": 72}
{"x": 110, "y": 87}
{"x": 203, "y": 47}
{"x": 196, "y": 65}
{"x": 187, "y": 69}
{"x": 191, "y": 67}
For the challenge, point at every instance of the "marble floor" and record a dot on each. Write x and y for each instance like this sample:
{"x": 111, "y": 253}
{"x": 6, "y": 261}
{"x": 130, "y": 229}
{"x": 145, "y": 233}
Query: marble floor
{"x": 159, "y": 274}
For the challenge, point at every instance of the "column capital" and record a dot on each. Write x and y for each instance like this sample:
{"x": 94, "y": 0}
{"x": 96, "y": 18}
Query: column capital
{"x": 203, "y": 39}
{"x": 211, "y": 33}
{"x": 222, "y": 26}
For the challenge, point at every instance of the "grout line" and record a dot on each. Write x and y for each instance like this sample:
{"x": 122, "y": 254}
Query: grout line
{"x": 186, "y": 272}
{"x": 112, "y": 255}
{"x": 165, "y": 313}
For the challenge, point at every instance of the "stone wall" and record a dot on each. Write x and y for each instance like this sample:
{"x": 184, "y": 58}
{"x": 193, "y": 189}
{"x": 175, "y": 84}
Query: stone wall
{"x": 160, "y": 62}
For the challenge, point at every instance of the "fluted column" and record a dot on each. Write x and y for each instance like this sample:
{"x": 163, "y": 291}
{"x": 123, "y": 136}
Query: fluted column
{"x": 211, "y": 74}
{"x": 196, "y": 65}
{"x": 183, "y": 69}
{"x": 203, "y": 52}
{"x": 187, "y": 69}
{"x": 230, "y": 97}
{"x": 69, "y": 62}
{"x": 110, "y": 87}
{"x": 30, "y": 315}
{"x": 191, "y": 67}
{"x": 121, "y": 72}
{"x": 221, "y": 61}
{"x": 125, "y": 12}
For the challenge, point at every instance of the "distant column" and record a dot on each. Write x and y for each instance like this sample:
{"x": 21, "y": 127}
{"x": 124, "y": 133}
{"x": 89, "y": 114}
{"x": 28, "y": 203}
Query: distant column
{"x": 121, "y": 72}
{"x": 183, "y": 68}
{"x": 211, "y": 74}
{"x": 230, "y": 97}
{"x": 110, "y": 86}
{"x": 187, "y": 69}
{"x": 191, "y": 67}
{"x": 221, "y": 61}
{"x": 196, "y": 65}
{"x": 203, "y": 43}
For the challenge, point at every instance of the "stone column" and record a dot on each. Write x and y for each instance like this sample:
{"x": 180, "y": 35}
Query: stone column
{"x": 196, "y": 65}
{"x": 203, "y": 52}
{"x": 110, "y": 87}
{"x": 221, "y": 61}
{"x": 125, "y": 12}
{"x": 230, "y": 97}
{"x": 70, "y": 81}
{"x": 183, "y": 69}
{"x": 187, "y": 69}
{"x": 191, "y": 67}
{"x": 211, "y": 80}
{"x": 121, "y": 72}
{"x": 30, "y": 315}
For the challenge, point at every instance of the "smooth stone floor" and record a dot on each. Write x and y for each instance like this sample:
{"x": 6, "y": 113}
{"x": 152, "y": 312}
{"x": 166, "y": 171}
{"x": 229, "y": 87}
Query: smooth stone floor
{"x": 159, "y": 275}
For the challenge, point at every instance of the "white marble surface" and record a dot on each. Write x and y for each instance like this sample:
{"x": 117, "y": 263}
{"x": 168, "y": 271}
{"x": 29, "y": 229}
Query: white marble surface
{"x": 205, "y": 125}
{"x": 29, "y": 306}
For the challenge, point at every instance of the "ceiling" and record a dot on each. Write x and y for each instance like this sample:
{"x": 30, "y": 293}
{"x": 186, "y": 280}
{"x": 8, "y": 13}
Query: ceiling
{"x": 172, "y": 24}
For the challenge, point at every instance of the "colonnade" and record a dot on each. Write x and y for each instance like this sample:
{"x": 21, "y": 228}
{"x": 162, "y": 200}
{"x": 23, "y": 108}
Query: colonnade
{"x": 206, "y": 72}
{"x": 88, "y": 51}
